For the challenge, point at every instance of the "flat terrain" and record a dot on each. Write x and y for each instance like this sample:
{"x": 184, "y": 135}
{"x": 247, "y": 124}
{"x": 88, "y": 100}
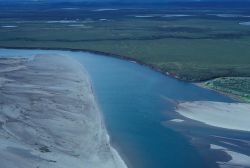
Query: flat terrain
{"x": 192, "y": 43}
{"x": 49, "y": 117}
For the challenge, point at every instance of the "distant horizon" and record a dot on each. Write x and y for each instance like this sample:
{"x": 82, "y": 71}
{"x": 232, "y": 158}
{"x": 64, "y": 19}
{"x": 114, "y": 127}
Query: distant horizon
{"x": 126, "y": 3}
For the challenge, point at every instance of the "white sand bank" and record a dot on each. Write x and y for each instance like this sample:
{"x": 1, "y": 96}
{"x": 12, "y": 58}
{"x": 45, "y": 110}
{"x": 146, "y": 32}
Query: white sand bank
{"x": 144, "y": 16}
{"x": 49, "y": 117}
{"x": 245, "y": 23}
{"x": 9, "y": 26}
{"x": 177, "y": 120}
{"x": 230, "y": 15}
{"x": 105, "y": 9}
{"x": 238, "y": 160}
{"x": 62, "y": 21}
{"x": 225, "y": 115}
{"x": 177, "y": 15}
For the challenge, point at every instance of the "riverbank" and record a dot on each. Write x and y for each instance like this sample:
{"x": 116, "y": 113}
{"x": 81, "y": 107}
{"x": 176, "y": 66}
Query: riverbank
{"x": 235, "y": 87}
{"x": 50, "y": 98}
{"x": 177, "y": 43}
{"x": 127, "y": 58}
{"x": 232, "y": 96}
{"x": 237, "y": 158}
{"x": 134, "y": 118}
{"x": 218, "y": 114}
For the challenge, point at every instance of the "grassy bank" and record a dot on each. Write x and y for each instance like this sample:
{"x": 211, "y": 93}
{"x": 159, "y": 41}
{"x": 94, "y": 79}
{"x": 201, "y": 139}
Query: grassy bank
{"x": 194, "y": 46}
{"x": 238, "y": 87}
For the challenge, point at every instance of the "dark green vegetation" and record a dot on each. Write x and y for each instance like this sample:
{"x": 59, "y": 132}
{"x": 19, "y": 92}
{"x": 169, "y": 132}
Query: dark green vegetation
{"x": 238, "y": 86}
{"x": 193, "y": 44}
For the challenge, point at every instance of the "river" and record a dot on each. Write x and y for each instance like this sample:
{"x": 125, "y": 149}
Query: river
{"x": 137, "y": 104}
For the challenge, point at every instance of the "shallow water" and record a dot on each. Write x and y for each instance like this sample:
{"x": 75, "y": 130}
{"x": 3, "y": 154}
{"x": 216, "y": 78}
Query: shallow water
{"x": 135, "y": 100}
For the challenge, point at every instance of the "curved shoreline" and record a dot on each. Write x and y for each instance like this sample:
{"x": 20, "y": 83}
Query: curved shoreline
{"x": 101, "y": 53}
{"x": 60, "y": 129}
{"x": 232, "y": 116}
{"x": 118, "y": 56}
{"x": 232, "y": 96}
{"x": 93, "y": 62}
{"x": 126, "y": 58}
{"x": 116, "y": 154}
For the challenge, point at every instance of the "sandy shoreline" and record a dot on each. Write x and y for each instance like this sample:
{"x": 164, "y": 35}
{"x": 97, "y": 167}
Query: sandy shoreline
{"x": 233, "y": 116}
{"x": 124, "y": 158}
{"x": 237, "y": 159}
{"x": 50, "y": 99}
{"x": 224, "y": 117}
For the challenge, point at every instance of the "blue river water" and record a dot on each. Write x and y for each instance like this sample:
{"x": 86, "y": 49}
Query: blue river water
{"x": 135, "y": 101}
